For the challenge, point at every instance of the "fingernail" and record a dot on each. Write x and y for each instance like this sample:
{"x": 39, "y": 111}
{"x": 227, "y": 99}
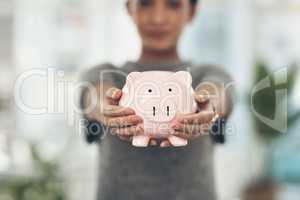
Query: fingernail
{"x": 202, "y": 98}
{"x": 115, "y": 93}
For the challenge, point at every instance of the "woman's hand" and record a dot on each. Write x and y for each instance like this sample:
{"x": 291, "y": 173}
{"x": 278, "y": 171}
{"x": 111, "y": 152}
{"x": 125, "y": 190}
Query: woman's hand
{"x": 191, "y": 126}
{"x": 122, "y": 121}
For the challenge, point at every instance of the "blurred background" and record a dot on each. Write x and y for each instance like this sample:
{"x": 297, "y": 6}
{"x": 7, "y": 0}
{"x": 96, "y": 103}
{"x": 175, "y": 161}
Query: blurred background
{"x": 44, "y": 156}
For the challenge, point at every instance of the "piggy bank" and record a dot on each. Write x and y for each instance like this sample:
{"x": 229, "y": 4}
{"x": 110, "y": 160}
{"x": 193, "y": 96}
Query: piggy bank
{"x": 158, "y": 96}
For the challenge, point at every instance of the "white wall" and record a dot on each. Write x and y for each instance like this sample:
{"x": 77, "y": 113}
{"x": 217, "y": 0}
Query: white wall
{"x": 73, "y": 36}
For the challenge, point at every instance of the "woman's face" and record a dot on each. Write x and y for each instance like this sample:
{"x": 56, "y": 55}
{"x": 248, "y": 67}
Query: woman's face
{"x": 160, "y": 22}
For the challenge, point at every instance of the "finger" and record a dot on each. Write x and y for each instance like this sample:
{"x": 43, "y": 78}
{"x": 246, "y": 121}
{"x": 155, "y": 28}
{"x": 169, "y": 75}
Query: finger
{"x": 113, "y": 93}
{"x": 153, "y": 142}
{"x": 129, "y": 131}
{"x": 112, "y": 102}
{"x": 194, "y": 128}
{"x": 185, "y": 135}
{"x": 113, "y": 96}
{"x": 125, "y": 138}
{"x": 200, "y": 98}
{"x": 119, "y": 122}
{"x": 117, "y": 111}
{"x": 206, "y": 106}
{"x": 197, "y": 118}
{"x": 165, "y": 144}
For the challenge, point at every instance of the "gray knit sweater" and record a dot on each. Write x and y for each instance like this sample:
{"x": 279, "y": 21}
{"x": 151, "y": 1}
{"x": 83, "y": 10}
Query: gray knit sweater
{"x": 153, "y": 173}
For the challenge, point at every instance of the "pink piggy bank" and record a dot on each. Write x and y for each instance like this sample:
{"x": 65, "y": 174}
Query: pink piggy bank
{"x": 158, "y": 96}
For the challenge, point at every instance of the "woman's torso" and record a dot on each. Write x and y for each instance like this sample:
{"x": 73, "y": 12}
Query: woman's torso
{"x": 130, "y": 173}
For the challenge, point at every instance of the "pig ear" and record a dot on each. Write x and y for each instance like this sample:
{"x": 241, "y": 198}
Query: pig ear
{"x": 133, "y": 76}
{"x": 183, "y": 76}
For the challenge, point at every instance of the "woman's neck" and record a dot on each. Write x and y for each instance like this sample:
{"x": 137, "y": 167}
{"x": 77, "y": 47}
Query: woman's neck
{"x": 155, "y": 56}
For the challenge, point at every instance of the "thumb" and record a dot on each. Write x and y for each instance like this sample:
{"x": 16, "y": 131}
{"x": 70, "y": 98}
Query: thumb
{"x": 201, "y": 98}
{"x": 113, "y": 93}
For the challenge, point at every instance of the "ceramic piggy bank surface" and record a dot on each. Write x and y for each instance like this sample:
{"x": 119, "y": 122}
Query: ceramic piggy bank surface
{"x": 158, "y": 96}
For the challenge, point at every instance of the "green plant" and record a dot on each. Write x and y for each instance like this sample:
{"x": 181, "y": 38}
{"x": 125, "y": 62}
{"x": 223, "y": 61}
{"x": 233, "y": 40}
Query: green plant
{"x": 265, "y": 101}
{"x": 45, "y": 184}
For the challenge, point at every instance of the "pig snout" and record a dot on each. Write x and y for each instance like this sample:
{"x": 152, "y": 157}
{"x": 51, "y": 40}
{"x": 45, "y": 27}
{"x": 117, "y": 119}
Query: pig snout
{"x": 162, "y": 113}
{"x": 160, "y": 109}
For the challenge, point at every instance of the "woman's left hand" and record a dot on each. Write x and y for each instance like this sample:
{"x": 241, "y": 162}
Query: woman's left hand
{"x": 191, "y": 126}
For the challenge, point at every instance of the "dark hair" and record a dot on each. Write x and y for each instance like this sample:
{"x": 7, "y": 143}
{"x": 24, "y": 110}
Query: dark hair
{"x": 193, "y": 2}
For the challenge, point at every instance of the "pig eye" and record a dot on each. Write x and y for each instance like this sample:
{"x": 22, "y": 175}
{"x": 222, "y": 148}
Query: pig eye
{"x": 170, "y": 89}
{"x": 149, "y": 90}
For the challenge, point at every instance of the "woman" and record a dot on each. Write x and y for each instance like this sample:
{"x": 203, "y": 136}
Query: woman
{"x": 156, "y": 172}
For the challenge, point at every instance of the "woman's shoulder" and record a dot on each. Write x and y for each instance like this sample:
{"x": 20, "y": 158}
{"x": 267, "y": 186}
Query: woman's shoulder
{"x": 210, "y": 72}
{"x": 93, "y": 72}
{"x": 206, "y": 67}
{"x": 111, "y": 66}
{"x": 100, "y": 66}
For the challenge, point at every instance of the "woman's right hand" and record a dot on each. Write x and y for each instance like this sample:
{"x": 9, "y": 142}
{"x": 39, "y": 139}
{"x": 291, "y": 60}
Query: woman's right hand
{"x": 122, "y": 121}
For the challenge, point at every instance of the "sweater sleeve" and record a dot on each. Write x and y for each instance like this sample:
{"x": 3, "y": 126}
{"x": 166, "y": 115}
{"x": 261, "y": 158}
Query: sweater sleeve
{"x": 107, "y": 74}
{"x": 214, "y": 74}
